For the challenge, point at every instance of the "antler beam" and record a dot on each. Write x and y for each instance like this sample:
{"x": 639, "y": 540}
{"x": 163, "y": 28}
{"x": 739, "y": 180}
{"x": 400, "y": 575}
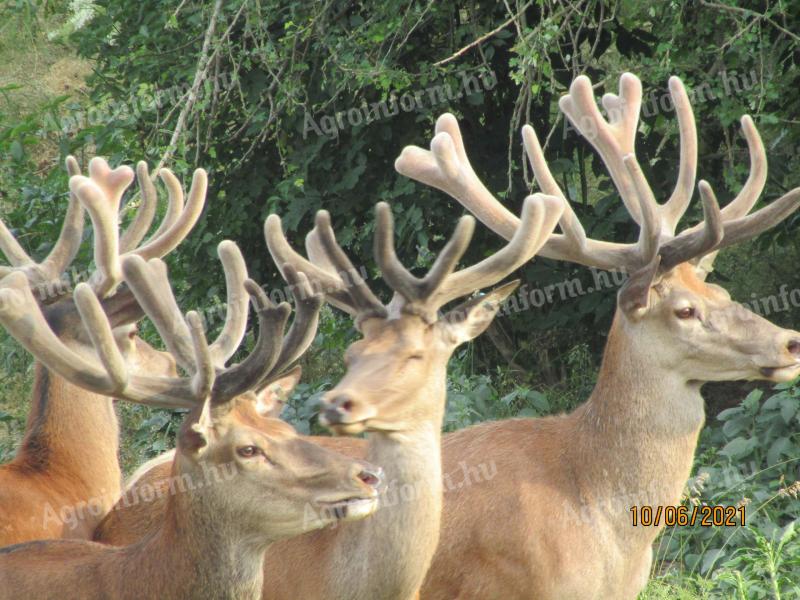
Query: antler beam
{"x": 446, "y": 167}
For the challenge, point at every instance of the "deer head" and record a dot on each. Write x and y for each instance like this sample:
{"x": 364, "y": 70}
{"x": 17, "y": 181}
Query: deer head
{"x": 669, "y": 311}
{"x": 395, "y": 374}
{"x": 273, "y": 481}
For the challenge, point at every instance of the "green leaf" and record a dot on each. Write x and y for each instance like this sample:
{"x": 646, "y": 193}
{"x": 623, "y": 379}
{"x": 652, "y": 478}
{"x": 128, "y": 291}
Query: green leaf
{"x": 750, "y": 403}
{"x": 732, "y": 427}
{"x": 729, "y": 413}
{"x": 16, "y": 150}
{"x": 785, "y": 385}
{"x": 789, "y": 407}
{"x": 710, "y": 558}
{"x": 780, "y": 447}
{"x": 539, "y": 401}
{"x": 772, "y": 402}
{"x": 739, "y": 447}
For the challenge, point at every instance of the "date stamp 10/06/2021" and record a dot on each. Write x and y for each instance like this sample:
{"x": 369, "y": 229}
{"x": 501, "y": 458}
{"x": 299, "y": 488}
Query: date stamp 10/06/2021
{"x": 704, "y": 515}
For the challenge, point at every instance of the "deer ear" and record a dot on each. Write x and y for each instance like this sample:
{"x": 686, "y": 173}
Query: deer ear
{"x": 705, "y": 265}
{"x": 634, "y": 297}
{"x": 271, "y": 399}
{"x": 195, "y": 434}
{"x": 470, "y": 319}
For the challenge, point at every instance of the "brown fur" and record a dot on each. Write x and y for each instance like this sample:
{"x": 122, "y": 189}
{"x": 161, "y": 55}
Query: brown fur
{"x": 67, "y": 463}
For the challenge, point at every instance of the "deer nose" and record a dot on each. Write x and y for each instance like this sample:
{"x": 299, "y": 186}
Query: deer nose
{"x": 368, "y": 474}
{"x": 794, "y": 347}
{"x": 338, "y": 408}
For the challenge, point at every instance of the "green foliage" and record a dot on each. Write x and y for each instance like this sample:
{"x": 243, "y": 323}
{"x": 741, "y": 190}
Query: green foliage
{"x": 474, "y": 397}
{"x": 15, "y": 378}
{"x": 751, "y": 460}
{"x": 322, "y": 367}
{"x": 146, "y": 433}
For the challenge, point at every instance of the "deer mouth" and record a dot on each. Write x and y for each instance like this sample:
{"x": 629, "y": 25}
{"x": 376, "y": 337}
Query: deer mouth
{"x": 367, "y": 425}
{"x": 351, "y": 509}
{"x": 353, "y": 428}
{"x": 781, "y": 374}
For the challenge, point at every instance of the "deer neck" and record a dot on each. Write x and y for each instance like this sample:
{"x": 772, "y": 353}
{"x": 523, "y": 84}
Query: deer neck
{"x": 198, "y": 553}
{"x": 638, "y": 432}
{"x": 365, "y": 564}
{"x": 72, "y": 436}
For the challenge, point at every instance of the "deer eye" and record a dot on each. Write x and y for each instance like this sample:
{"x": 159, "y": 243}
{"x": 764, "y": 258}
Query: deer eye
{"x": 688, "y": 312}
{"x": 418, "y": 356}
{"x": 248, "y": 451}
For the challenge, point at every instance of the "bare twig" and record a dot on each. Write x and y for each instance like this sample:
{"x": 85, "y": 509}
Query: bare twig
{"x": 199, "y": 77}
{"x": 751, "y": 13}
{"x": 483, "y": 38}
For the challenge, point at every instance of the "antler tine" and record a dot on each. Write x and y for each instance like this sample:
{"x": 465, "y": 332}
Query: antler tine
{"x": 237, "y": 303}
{"x": 457, "y": 179}
{"x": 138, "y": 228}
{"x": 168, "y": 239}
{"x": 15, "y": 254}
{"x": 448, "y": 258}
{"x": 612, "y": 139}
{"x": 101, "y": 336}
{"x": 360, "y": 295}
{"x": 324, "y": 280}
{"x": 259, "y": 363}
{"x": 756, "y": 179}
{"x": 674, "y": 208}
{"x": 744, "y": 228}
{"x": 574, "y": 235}
{"x": 174, "y": 204}
{"x": 22, "y": 317}
{"x": 691, "y": 245}
{"x": 650, "y": 224}
{"x": 204, "y": 373}
{"x": 540, "y": 214}
{"x": 149, "y": 283}
{"x": 101, "y": 194}
{"x": 342, "y": 299}
{"x": 411, "y": 288}
{"x": 63, "y": 251}
{"x": 303, "y": 329}
{"x": 69, "y": 239}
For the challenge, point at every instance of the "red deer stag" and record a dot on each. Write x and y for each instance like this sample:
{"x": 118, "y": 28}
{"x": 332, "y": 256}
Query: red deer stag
{"x": 557, "y": 524}
{"x": 69, "y": 454}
